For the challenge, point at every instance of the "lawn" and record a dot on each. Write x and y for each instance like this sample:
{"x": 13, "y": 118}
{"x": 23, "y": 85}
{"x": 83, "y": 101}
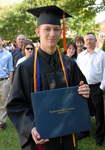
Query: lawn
{"x": 9, "y": 139}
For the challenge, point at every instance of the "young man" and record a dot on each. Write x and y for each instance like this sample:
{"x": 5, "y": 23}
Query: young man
{"x": 51, "y": 77}
{"x": 92, "y": 64}
{"x": 6, "y": 73}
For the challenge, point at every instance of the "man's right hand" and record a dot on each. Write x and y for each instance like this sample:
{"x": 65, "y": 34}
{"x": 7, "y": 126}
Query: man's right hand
{"x": 36, "y": 137}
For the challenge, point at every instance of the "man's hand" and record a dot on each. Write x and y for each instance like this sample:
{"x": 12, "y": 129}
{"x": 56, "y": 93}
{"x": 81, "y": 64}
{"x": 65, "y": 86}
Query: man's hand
{"x": 36, "y": 136}
{"x": 84, "y": 90}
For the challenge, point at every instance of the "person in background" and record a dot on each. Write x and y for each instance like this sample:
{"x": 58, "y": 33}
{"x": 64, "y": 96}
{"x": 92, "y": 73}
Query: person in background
{"x": 17, "y": 53}
{"x": 71, "y": 50}
{"x": 6, "y": 74}
{"x": 27, "y": 50}
{"x": 92, "y": 64}
{"x": 14, "y": 45}
{"x": 9, "y": 46}
{"x": 48, "y": 58}
{"x": 79, "y": 41}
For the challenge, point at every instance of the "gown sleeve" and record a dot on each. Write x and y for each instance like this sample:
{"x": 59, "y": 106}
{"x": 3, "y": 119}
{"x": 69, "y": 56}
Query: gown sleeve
{"x": 19, "y": 106}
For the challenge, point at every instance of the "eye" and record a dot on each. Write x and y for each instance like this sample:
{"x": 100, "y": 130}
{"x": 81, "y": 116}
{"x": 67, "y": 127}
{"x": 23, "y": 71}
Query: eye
{"x": 47, "y": 29}
{"x": 57, "y": 29}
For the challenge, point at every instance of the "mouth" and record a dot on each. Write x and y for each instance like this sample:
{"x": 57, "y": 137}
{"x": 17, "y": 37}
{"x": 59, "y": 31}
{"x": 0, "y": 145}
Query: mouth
{"x": 51, "y": 40}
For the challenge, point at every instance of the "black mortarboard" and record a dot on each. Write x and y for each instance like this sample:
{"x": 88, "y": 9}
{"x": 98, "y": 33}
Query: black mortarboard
{"x": 48, "y": 14}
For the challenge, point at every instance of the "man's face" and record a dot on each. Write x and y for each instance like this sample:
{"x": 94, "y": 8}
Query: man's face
{"x": 49, "y": 35}
{"x": 20, "y": 41}
{"x": 90, "y": 42}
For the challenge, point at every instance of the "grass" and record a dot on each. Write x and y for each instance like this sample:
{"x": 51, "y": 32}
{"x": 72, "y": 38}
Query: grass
{"x": 9, "y": 139}
{"x": 89, "y": 143}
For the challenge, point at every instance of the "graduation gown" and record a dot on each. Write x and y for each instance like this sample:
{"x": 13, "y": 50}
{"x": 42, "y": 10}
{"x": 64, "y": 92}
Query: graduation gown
{"x": 19, "y": 107}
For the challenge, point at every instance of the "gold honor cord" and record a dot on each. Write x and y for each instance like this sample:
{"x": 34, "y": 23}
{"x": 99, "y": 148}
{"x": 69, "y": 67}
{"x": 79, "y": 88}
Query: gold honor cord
{"x": 62, "y": 65}
{"x": 36, "y": 53}
{"x": 35, "y": 60}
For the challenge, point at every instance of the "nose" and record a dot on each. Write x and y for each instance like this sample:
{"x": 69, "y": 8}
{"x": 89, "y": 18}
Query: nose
{"x": 52, "y": 33}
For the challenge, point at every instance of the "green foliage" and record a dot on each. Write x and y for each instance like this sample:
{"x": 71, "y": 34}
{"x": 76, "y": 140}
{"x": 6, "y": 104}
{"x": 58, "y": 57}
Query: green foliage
{"x": 60, "y": 43}
{"x": 35, "y": 39}
{"x": 14, "y": 20}
{"x": 103, "y": 47}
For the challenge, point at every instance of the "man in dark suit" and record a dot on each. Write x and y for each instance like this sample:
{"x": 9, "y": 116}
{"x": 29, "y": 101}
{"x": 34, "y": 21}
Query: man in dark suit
{"x": 17, "y": 53}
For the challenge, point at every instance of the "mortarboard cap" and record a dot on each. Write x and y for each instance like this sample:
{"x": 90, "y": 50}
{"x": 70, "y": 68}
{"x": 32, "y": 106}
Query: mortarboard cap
{"x": 48, "y": 14}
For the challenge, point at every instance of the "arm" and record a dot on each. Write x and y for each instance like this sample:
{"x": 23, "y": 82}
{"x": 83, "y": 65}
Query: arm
{"x": 79, "y": 78}
{"x": 10, "y": 68}
{"x": 102, "y": 85}
{"x": 19, "y": 107}
{"x": 10, "y": 76}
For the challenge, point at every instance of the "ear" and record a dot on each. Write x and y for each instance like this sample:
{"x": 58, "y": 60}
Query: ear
{"x": 37, "y": 30}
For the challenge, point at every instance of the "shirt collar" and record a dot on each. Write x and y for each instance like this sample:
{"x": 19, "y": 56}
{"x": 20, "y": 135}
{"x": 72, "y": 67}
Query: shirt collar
{"x": 94, "y": 51}
{"x": 46, "y": 56}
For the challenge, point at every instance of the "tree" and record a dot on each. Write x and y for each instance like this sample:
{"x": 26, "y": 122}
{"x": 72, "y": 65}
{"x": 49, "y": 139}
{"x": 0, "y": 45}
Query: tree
{"x": 15, "y": 20}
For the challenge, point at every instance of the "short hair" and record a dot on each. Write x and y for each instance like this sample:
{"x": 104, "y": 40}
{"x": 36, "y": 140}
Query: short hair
{"x": 92, "y": 34}
{"x": 21, "y": 35}
{"x": 78, "y": 38}
{"x": 1, "y": 37}
{"x": 27, "y": 42}
{"x": 72, "y": 43}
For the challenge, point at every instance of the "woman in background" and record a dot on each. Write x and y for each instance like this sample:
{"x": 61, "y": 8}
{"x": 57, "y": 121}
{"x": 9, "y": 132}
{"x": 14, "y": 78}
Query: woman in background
{"x": 79, "y": 41}
{"x": 71, "y": 50}
{"x": 27, "y": 50}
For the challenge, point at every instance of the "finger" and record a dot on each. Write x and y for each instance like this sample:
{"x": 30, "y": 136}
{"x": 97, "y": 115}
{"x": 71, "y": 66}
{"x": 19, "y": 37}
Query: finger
{"x": 42, "y": 141}
{"x": 37, "y": 134}
{"x": 81, "y": 83}
{"x": 83, "y": 87}
{"x": 86, "y": 96}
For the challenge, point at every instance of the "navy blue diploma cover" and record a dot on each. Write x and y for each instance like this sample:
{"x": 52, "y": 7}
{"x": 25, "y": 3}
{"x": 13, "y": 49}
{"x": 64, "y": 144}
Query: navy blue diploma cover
{"x": 60, "y": 112}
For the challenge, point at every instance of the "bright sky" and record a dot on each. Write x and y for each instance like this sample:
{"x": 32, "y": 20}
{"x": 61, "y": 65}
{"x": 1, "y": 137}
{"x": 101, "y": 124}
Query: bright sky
{"x": 100, "y": 16}
{"x": 12, "y": 1}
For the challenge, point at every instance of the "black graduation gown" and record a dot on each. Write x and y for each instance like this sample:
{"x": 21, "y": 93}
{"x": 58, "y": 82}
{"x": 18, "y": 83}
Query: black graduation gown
{"x": 19, "y": 107}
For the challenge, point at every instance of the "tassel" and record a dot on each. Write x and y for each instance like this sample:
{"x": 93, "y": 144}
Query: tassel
{"x": 64, "y": 36}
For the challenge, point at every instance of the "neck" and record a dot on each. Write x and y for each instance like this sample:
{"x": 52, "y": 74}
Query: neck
{"x": 20, "y": 47}
{"x": 79, "y": 51}
{"x": 50, "y": 50}
{"x": 90, "y": 49}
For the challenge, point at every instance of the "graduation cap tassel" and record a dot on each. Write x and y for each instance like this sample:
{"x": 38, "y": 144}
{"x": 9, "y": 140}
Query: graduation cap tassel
{"x": 64, "y": 36}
